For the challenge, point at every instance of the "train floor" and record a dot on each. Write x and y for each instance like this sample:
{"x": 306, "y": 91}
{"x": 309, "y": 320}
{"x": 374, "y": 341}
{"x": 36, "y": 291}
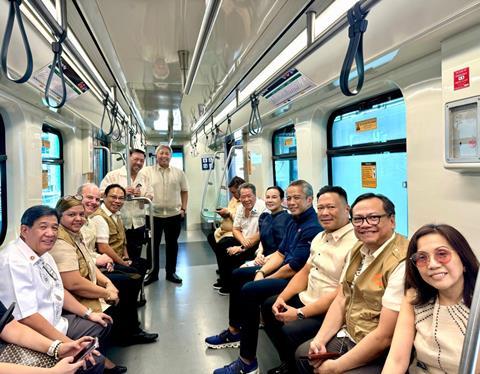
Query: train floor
{"x": 183, "y": 316}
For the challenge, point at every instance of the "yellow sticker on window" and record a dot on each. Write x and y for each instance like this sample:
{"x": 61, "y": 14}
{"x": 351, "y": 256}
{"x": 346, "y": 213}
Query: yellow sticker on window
{"x": 369, "y": 174}
{"x": 44, "y": 179}
{"x": 366, "y": 125}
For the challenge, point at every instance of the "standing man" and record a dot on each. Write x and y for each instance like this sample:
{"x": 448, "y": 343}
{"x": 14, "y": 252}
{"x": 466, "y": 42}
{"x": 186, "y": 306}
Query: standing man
{"x": 170, "y": 199}
{"x": 368, "y": 298}
{"x": 295, "y": 315}
{"x": 133, "y": 212}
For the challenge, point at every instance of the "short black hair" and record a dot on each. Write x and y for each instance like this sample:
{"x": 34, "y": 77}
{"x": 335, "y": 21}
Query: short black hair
{"x": 35, "y": 212}
{"x": 333, "y": 189}
{"x": 114, "y": 185}
{"x": 388, "y": 205}
{"x": 235, "y": 182}
{"x": 279, "y": 189}
{"x": 136, "y": 150}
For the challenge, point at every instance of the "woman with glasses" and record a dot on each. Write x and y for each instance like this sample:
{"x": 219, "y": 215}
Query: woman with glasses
{"x": 440, "y": 279}
{"x": 78, "y": 270}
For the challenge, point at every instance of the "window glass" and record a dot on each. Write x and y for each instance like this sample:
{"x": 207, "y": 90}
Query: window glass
{"x": 367, "y": 152}
{"x": 52, "y": 166}
{"x": 284, "y": 156}
{"x": 100, "y": 165}
{"x": 177, "y": 159}
{"x": 3, "y": 183}
{"x": 382, "y": 122}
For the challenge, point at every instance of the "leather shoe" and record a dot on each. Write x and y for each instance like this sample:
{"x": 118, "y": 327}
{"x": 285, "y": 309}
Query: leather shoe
{"x": 142, "y": 337}
{"x": 174, "y": 278}
{"x": 282, "y": 369}
{"x": 115, "y": 370}
{"x": 150, "y": 280}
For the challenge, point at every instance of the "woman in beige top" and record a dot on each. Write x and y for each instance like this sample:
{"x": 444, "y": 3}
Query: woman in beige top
{"x": 439, "y": 278}
{"x": 77, "y": 267}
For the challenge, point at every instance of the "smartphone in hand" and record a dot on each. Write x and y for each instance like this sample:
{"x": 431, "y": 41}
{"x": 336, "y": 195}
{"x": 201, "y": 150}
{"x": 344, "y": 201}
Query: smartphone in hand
{"x": 322, "y": 356}
{"x": 89, "y": 348}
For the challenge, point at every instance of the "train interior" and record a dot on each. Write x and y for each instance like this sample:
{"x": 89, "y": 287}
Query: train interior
{"x": 248, "y": 88}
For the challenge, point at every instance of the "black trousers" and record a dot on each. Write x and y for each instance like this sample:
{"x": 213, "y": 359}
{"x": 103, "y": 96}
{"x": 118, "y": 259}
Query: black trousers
{"x": 286, "y": 337}
{"x": 135, "y": 241}
{"x": 246, "y": 297}
{"x": 226, "y": 263}
{"x": 171, "y": 226}
{"x": 341, "y": 345}
{"x": 125, "y": 317}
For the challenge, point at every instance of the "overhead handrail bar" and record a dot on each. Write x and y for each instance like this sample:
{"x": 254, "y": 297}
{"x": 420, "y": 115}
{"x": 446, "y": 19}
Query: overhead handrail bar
{"x": 13, "y": 12}
{"x": 40, "y": 8}
{"x": 255, "y": 121}
{"x": 321, "y": 40}
{"x": 471, "y": 343}
{"x": 358, "y": 26}
{"x": 206, "y": 28}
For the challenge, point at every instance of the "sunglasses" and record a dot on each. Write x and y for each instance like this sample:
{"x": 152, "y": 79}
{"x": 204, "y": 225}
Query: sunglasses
{"x": 73, "y": 197}
{"x": 422, "y": 259}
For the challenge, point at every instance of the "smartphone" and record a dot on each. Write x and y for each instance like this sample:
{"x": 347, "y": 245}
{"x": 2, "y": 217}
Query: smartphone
{"x": 219, "y": 208}
{"x": 89, "y": 348}
{"x": 6, "y": 316}
{"x": 322, "y": 356}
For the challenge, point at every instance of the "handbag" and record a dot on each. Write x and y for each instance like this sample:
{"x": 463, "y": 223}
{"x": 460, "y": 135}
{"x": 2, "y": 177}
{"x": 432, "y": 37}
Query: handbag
{"x": 15, "y": 354}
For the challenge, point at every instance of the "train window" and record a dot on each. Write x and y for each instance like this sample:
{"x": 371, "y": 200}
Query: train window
{"x": 3, "y": 183}
{"x": 177, "y": 157}
{"x": 52, "y": 165}
{"x": 367, "y": 151}
{"x": 285, "y": 168}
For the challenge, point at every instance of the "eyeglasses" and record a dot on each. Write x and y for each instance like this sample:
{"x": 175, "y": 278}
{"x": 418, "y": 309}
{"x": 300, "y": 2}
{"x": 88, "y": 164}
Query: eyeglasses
{"x": 373, "y": 219}
{"x": 74, "y": 197}
{"x": 114, "y": 197}
{"x": 422, "y": 259}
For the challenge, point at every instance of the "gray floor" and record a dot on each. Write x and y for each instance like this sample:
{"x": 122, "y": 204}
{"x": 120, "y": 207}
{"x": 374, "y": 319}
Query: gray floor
{"x": 184, "y": 316}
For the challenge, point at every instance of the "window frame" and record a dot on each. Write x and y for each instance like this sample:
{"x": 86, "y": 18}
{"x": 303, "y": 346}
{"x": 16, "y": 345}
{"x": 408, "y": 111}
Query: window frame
{"x": 46, "y": 128}
{"x": 287, "y": 156}
{"x": 3, "y": 181}
{"x": 392, "y": 146}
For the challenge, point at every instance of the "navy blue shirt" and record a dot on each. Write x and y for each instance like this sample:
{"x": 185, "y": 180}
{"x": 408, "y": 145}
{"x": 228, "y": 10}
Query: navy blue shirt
{"x": 299, "y": 235}
{"x": 272, "y": 230}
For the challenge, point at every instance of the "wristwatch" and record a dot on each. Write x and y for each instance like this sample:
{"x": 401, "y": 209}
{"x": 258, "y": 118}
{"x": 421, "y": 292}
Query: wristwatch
{"x": 260, "y": 271}
{"x": 300, "y": 314}
{"x": 87, "y": 313}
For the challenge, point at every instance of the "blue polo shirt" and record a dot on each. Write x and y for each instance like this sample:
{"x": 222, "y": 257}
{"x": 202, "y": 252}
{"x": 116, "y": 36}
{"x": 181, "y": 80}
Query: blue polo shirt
{"x": 298, "y": 237}
{"x": 272, "y": 230}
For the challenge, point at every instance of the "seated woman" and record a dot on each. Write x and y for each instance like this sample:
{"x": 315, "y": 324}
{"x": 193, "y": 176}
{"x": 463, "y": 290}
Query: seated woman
{"x": 23, "y": 336}
{"x": 77, "y": 268}
{"x": 271, "y": 225}
{"x": 439, "y": 279}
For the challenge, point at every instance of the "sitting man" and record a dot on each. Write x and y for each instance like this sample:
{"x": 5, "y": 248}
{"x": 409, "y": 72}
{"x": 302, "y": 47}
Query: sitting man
{"x": 295, "y": 315}
{"x": 247, "y": 296}
{"x": 234, "y": 252}
{"x": 368, "y": 298}
{"x": 31, "y": 279}
{"x": 128, "y": 284}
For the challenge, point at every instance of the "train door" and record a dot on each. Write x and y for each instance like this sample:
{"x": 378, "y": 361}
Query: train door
{"x": 285, "y": 169}
{"x": 52, "y": 165}
{"x": 367, "y": 151}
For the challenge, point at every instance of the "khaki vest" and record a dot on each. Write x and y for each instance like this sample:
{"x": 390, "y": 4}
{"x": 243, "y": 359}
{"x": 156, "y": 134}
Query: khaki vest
{"x": 116, "y": 239}
{"x": 364, "y": 298}
{"x": 84, "y": 259}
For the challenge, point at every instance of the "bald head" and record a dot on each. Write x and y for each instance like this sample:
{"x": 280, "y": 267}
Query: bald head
{"x": 91, "y": 197}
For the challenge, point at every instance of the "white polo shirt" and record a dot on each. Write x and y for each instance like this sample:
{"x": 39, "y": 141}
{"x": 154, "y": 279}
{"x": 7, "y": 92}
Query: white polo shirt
{"x": 327, "y": 260}
{"x": 133, "y": 212}
{"x": 249, "y": 225}
{"x": 166, "y": 183}
{"x": 33, "y": 282}
{"x": 101, "y": 226}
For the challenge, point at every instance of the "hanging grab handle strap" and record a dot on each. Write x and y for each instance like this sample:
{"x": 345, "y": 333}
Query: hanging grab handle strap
{"x": 255, "y": 122}
{"x": 15, "y": 11}
{"x": 57, "y": 63}
{"x": 358, "y": 25}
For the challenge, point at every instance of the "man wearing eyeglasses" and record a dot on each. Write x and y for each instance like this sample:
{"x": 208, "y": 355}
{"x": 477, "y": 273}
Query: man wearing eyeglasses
{"x": 31, "y": 278}
{"x": 368, "y": 298}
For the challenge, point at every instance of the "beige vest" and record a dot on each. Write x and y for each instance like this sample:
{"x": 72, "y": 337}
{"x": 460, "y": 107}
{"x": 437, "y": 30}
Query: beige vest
{"x": 116, "y": 239}
{"x": 86, "y": 271}
{"x": 364, "y": 298}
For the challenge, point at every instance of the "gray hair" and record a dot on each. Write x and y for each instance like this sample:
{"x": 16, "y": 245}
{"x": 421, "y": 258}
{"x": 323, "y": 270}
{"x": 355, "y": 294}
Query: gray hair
{"x": 306, "y": 187}
{"x": 163, "y": 146}
{"x": 248, "y": 185}
{"x": 82, "y": 187}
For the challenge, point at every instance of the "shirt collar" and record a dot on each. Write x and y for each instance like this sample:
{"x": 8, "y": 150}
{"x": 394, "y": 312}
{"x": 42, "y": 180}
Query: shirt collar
{"x": 304, "y": 216}
{"x": 159, "y": 168}
{"x": 375, "y": 254}
{"x": 27, "y": 252}
{"x": 107, "y": 211}
{"x": 338, "y": 234}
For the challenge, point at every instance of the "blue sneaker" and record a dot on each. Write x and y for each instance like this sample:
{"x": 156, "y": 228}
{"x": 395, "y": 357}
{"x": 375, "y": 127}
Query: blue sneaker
{"x": 224, "y": 340}
{"x": 239, "y": 367}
